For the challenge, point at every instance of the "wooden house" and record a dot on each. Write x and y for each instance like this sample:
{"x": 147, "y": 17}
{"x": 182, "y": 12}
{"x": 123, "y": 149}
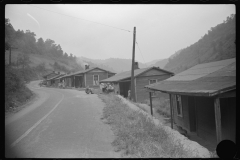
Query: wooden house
{"x": 50, "y": 75}
{"x": 88, "y": 77}
{"x": 142, "y": 77}
{"x": 203, "y": 100}
{"x": 54, "y": 80}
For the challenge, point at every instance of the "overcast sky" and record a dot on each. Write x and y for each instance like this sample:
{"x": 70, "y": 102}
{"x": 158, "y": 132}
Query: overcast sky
{"x": 161, "y": 30}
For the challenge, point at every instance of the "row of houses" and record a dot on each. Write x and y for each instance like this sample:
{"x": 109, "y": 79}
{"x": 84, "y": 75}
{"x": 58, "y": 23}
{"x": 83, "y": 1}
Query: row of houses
{"x": 202, "y": 98}
{"x": 92, "y": 77}
{"x": 89, "y": 77}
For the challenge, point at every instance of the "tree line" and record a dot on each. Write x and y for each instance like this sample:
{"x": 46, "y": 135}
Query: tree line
{"x": 28, "y": 44}
{"x": 19, "y": 73}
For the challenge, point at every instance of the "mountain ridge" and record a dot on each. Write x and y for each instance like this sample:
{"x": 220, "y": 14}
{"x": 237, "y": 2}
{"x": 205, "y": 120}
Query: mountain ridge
{"x": 218, "y": 44}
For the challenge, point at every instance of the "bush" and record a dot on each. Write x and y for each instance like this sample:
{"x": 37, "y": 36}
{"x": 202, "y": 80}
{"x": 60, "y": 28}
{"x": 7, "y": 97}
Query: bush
{"x": 162, "y": 106}
{"x": 16, "y": 92}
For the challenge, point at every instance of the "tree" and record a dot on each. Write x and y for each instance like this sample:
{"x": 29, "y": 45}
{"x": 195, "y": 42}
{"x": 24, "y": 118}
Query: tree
{"x": 59, "y": 50}
{"x": 23, "y": 60}
{"x": 41, "y": 67}
{"x": 9, "y": 34}
{"x": 65, "y": 55}
{"x": 41, "y": 46}
{"x": 213, "y": 45}
{"x": 49, "y": 43}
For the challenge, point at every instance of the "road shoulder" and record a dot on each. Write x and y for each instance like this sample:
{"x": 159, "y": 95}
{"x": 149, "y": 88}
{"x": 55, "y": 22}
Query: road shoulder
{"x": 36, "y": 100}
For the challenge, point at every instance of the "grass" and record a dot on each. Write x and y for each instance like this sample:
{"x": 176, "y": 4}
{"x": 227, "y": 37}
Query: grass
{"x": 18, "y": 98}
{"x": 136, "y": 135}
{"x": 161, "y": 105}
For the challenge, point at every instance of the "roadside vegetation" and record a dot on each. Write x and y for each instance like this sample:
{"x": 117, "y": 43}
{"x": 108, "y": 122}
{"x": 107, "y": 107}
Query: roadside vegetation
{"x": 136, "y": 135}
{"x": 162, "y": 106}
{"x": 21, "y": 69}
{"x": 16, "y": 93}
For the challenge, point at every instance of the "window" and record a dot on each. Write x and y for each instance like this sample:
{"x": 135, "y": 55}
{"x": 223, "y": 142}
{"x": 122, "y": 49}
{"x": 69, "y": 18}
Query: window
{"x": 179, "y": 106}
{"x": 151, "y": 81}
{"x": 95, "y": 79}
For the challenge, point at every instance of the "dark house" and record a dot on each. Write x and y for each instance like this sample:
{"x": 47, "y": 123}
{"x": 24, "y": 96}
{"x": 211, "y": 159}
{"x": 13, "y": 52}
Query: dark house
{"x": 203, "y": 100}
{"x": 50, "y": 75}
{"x": 54, "y": 81}
{"x": 142, "y": 77}
{"x": 88, "y": 77}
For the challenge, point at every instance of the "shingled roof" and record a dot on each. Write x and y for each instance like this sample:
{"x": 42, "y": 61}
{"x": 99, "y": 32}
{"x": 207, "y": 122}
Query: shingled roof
{"x": 85, "y": 71}
{"x": 206, "y": 79}
{"x": 55, "y": 77}
{"x": 127, "y": 74}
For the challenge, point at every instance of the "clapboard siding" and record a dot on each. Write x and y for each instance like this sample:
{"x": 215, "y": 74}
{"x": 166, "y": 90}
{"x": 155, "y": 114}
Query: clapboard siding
{"x": 142, "y": 81}
{"x": 110, "y": 75}
{"x": 154, "y": 72}
{"x": 228, "y": 117}
{"x": 184, "y": 120}
{"x": 206, "y": 118}
{"x": 96, "y": 70}
{"x": 89, "y": 78}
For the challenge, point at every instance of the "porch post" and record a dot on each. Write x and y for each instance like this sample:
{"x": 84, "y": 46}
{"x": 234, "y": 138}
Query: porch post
{"x": 135, "y": 83}
{"x": 150, "y": 95}
{"x": 218, "y": 119}
{"x": 85, "y": 81}
{"x": 74, "y": 82}
{"x": 171, "y": 110}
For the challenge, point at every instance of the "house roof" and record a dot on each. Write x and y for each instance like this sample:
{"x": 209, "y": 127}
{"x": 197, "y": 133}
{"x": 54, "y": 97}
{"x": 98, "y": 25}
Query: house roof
{"x": 206, "y": 79}
{"x": 61, "y": 76}
{"x": 127, "y": 74}
{"x": 85, "y": 71}
{"x": 55, "y": 77}
{"x": 52, "y": 72}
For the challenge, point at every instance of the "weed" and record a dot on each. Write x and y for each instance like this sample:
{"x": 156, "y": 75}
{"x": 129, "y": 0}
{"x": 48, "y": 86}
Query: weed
{"x": 136, "y": 135}
{"x": 161, "y": 105}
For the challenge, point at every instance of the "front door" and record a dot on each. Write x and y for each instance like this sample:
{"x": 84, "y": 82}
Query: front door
{"x": 228, "y": 118}
{"x": 124, "y": 87}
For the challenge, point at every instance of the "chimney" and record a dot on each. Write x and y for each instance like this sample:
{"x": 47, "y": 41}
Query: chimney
{"x": 86, "y": 66}
{"x": 136, "y": 65}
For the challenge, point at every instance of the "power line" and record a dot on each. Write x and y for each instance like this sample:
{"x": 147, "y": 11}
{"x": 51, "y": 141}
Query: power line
{"x": 140, "y": 52}
{"x": 81, "y": 19}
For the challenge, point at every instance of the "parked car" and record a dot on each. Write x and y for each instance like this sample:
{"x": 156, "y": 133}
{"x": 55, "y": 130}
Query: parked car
{"x": 89, "y": 90}
{"x": 43, "y": 83}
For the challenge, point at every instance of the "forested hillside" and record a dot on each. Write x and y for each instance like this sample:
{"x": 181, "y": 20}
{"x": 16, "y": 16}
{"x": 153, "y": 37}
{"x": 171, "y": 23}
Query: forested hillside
{"x": 38, "y": 52}
{"x": 160, "y": 63}
{"x": 114, "y": 64}
{"x": 218, "y": 44}
{"x": 30, "y": 59}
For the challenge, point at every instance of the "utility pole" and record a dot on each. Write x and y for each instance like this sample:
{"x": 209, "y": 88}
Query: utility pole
{"x": 133, "y": 96}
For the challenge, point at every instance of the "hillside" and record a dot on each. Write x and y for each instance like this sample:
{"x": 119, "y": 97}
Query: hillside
{"x": 119, "y": 65}
{"x": 160, "y": 63}
{"x": 116, "y": 64}
{"x": 218, "y": 44}
{"x": 36, "y": 60}
{"x": 93, "y": 63}
{"x": 152, "y": 62}
{"x": 36, "y": 55}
